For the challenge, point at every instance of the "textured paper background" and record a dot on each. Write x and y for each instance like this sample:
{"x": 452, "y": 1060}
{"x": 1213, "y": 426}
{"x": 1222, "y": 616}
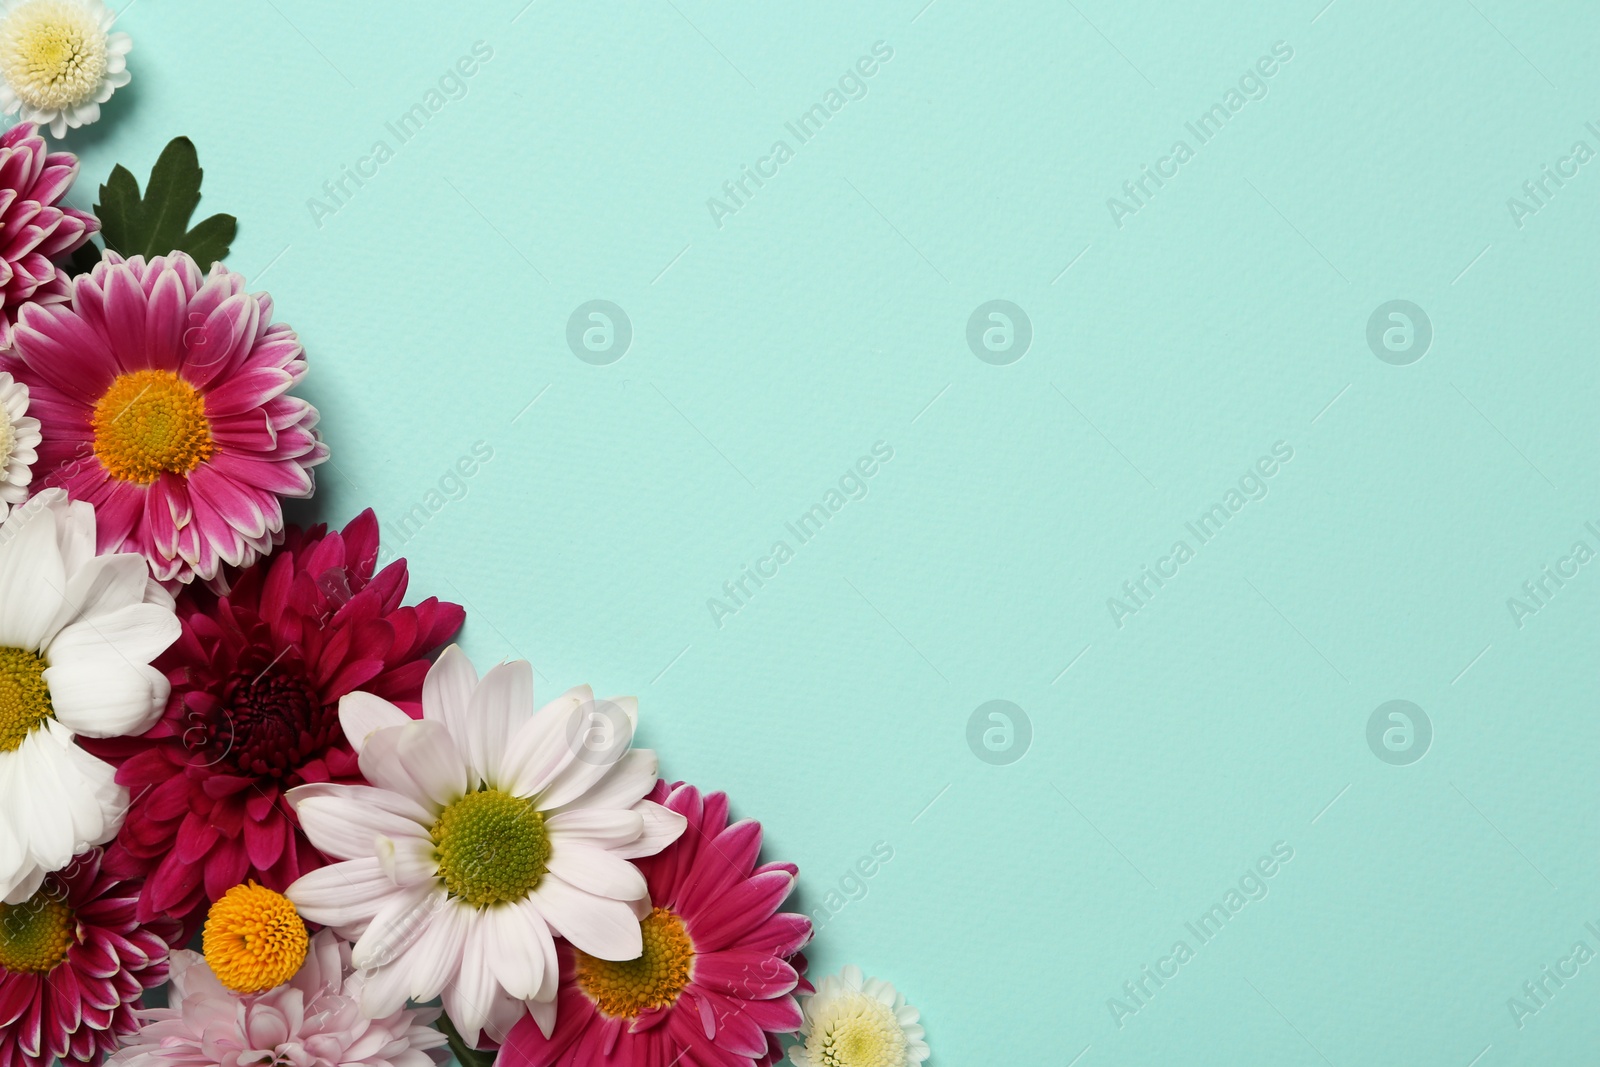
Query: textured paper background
{"x": 1168, "y": 354}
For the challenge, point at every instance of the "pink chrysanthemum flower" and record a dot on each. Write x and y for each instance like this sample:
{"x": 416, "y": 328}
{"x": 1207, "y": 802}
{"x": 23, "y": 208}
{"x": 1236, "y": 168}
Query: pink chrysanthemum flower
{"x": 73, "y": 963}
{"x": 35, "y": 227}
{"x": 313, "y": 1020}
{"x": 163, "y": 397}
{"x": 256, "y": 678}
{"x": 721, "y": 965}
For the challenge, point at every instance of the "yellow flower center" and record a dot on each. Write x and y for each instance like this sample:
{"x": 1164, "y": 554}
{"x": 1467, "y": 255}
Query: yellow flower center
{"x": 254, "y": 941}
{"x": 492, "y": 847}
{"x": 861, "y": 1031}
{"x": 36, "y": 934}
{"x": 53, "y": 54}
{"x": 24, "y": 698}
{"x": 150, "y": 422}
{"x": 654, "y": 980}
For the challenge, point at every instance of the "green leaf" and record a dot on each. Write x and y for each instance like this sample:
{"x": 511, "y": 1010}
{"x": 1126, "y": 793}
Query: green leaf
{"x": 83, "y": 259}
{"x": 464, "y": 1053}
{"x": 157, "y": 222}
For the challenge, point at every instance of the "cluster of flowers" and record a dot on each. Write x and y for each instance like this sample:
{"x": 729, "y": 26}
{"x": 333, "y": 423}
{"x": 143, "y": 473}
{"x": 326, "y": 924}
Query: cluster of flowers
{"x": 217, "y": 726}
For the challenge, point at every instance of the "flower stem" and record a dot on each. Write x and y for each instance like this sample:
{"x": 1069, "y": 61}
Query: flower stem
{"x": 465, "y": 1054}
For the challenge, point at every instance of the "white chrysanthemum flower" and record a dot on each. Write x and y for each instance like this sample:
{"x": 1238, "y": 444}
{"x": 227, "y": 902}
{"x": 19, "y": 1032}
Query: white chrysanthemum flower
{"x": 59, "y": 61}
{"x": 19, "y": 437}
{"x": 488, "y": 830}
{"x": 77, "y": 634}
{"x": 853, "y": 1021}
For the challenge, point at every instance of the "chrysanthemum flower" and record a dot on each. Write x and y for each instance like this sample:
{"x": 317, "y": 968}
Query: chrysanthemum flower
{"x": 36, "y": 227}
{"x": 858, "y": 1022}
{"x": 77, "y": 634}
{"x": 163, "y": 395}
{"x": 313, "y": 1021}
{"x": 254, "y": 940}
{"x": 715, "y": 983}
{"x": 73, "y": 964}
{"x": 256, "y": 681}
{"x": 488, "y": 828}
{"x": 59, "y": 60}
{"x": 19, "y": 441}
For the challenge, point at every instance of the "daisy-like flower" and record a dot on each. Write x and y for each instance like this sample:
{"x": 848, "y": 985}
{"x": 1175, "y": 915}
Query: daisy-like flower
{"x": 314, "y": 1020}
{"x": 163, "y": 394}
{"x": 59, "y": 61}
{"x": 256, "y": 682}
{"x": 73, "y": 964}
{"x": 858, "y": 1022}
{"x": 36, "y": 226}
{"x": 488, "y": 828}
{"x": 715, "y": 983}
{"x": 19, "y": 441}
{"x": 77, "y": 634}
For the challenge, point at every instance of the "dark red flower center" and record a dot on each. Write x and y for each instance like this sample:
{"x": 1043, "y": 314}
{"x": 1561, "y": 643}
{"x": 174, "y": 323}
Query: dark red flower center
{"x": 271, "y": 721}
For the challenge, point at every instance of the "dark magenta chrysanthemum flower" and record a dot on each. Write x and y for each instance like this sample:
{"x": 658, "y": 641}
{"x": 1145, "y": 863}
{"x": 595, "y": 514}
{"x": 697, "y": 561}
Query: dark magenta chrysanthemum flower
{"x": 36, "y": 228}
{"x": 716, "y": 982}
{"x": 254, "y": 711}
{"x": 74, "y": 960}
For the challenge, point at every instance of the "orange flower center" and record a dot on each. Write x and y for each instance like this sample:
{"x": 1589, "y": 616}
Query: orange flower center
{"x": 151, "y": 422}
{"x": 654, "y": 980}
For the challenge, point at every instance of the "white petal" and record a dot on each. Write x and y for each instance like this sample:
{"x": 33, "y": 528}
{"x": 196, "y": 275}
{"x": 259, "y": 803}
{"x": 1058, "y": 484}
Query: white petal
{"x": 32, "y": 579}
{"x": 599, "y": 827}
{"x": 384, "y": 990}
{"x": 599, "y": 926}
{"x": 408, "y": 860}
{"x": 662, "y": 826}
{"x": 436, "y": 957}
{"x": 544, "y": 1015}
{"x": 57, "y": 800}
{"x": 105, "y": 696}
{"x": 539, "y": 748}
{"x": 367, "y": 795}
{"x": 418, "y": 760}
{"x": 105, "y": 583}
{"x": 360, "y": 714}
{"x": 137, "y": 633}
{"x": 599, "y": 735}
{"x": 470, "y": 1000}
{"x": 500, "y": 704}
{"x": 403, "y": 919}
{"x": 629, "y": 781}
{"x": 349, "y": 830}
{"x": 516, "y": 957}
{"x": 597, "y": 871}
{"x": 342, "y": 895}
{"x": 447, "y": 693}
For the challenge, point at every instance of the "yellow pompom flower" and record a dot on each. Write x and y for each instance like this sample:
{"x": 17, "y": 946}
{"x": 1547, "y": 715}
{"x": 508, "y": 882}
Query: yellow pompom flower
{"x": 254, "y": 939}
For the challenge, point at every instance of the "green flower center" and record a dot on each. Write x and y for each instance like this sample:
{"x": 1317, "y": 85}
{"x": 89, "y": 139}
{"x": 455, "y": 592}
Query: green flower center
{"x": 24, "y": 698}
{"x": 492, "y": 847}
{"x": 36, "y": 934}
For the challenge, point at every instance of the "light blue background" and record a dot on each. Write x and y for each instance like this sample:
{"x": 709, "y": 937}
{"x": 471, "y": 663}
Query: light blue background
{"x": 830, "y": 313}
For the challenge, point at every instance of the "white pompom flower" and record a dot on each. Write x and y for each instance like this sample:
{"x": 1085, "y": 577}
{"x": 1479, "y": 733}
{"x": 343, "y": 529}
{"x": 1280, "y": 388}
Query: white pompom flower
{"x": 854, "y": 1021}
{"x": 59, "y": 61}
